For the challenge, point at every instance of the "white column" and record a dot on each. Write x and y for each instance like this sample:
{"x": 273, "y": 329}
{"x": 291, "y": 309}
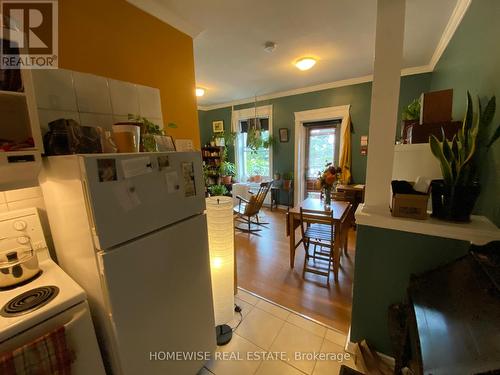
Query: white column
{"x": 385, "y": 101}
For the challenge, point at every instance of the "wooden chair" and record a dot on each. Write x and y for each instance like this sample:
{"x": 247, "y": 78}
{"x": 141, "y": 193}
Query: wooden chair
{"x": 318, "y": 229}
{"x": 347, "y": 220}
{"x": 248, "y": 209}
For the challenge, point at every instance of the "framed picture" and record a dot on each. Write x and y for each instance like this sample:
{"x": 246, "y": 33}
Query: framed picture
{"x": 218, "y": 126}
{"x": 283, "y": 135}
{"x": 184, "y": 145}
{"x": 165, "y": 143}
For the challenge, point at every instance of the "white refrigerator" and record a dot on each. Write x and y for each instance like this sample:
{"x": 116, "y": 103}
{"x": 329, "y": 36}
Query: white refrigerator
{"x": 131, "y": 230}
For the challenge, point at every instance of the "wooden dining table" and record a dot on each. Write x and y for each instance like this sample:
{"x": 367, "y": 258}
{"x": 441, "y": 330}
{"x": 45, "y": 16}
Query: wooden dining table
{"x": 339, "y": 211}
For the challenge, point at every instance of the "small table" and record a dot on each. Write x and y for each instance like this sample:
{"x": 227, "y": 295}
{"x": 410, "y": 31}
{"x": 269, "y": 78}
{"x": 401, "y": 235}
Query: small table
{"x": 275, "y": 195}
{"x": 339, "y": 212}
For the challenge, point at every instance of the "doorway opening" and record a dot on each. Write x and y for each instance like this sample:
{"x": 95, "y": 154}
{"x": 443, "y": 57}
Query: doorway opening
{"x": 322, "y": 147}
{"x": 337, "y": 117}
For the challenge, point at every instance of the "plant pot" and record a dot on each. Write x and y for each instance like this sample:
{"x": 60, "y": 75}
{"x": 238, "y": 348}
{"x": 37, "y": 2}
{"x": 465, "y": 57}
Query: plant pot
{"x": 287, "y": 184}
{"x": 453, "y": 203}
{"x": 226, "y": 180}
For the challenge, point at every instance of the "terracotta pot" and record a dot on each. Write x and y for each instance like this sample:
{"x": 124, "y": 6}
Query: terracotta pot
{"x": 287, "y": 184}
{"x": 226, "y": 180}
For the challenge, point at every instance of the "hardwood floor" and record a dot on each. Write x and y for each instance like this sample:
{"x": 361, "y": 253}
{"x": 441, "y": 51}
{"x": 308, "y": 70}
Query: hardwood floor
{"x": 263, "y": 268}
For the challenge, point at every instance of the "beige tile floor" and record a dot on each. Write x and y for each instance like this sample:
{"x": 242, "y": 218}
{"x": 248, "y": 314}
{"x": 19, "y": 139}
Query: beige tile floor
{"x": 269, "y": 328}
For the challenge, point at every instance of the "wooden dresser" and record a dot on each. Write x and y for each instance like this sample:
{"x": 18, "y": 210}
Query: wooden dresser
{"x": 453, "y": 316}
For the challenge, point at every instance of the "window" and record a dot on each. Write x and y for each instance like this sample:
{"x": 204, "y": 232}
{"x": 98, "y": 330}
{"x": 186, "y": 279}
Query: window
{"x": 322, "y": 147}
{"x": 250, "y": 162}
{"x": 254, "y": 162}
{"x": 320, "y": 150}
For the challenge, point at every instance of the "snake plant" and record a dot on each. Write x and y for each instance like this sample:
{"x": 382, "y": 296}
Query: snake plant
{"x": 459, "y": 158}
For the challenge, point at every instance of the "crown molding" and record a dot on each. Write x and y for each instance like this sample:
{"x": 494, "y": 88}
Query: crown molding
{"x": 320, "y": 87}
{"x": 158, "y": 10}
{"x": 455, "y": 19}
{"x": 449, "y": 31}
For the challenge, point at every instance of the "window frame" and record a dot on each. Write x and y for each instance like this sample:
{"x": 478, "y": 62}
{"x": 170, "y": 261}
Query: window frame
{"x": 265, "y": 111}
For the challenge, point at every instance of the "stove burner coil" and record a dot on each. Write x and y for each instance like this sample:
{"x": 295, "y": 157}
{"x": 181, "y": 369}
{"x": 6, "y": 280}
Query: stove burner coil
{"x": 29, "y": 301}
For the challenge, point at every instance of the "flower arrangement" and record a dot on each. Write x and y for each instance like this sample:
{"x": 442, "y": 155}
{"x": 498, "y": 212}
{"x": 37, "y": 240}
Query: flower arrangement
{"x": 329, "y": 176}
{"x": 327, "y": 179}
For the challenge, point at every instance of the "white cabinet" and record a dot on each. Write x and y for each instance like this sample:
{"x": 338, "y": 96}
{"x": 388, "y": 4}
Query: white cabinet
{"x": 20, "y": 135}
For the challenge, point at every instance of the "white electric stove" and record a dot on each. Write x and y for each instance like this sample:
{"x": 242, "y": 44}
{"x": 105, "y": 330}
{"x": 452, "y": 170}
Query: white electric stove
{"x": 46, "y": 302}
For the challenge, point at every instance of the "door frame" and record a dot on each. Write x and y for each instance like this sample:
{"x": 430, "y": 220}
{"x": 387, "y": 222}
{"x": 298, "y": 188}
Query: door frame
{"x": 320, "y": 114}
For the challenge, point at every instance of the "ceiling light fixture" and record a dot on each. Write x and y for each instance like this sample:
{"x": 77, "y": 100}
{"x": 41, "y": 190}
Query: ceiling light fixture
{"x": 200, "y": 91}
{"x": 305, "y": 63}
{"x": 269, "y": 46}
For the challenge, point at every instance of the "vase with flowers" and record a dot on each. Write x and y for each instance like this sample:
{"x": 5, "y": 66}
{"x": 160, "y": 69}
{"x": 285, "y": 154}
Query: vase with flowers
{"x": 327, "y": 180}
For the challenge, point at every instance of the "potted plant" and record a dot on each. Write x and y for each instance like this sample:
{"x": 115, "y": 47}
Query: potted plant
{"x": 227, "y": 171}
{"x": 223, "y": 139}
{"x": 412, "y": 112}
{"x": 287, "y": 180}
{"x": 277, "y": 176}
{"x": 454, "y": 196}
{"x": 149, "y": 132}
{"x": 410, "y": 117}
{"x": 256, "y": 140}
{"x": 217, "y": 190}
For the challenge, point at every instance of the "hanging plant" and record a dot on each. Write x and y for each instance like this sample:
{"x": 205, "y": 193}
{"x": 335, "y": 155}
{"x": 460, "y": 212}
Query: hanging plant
{"x": 257, "y": 140}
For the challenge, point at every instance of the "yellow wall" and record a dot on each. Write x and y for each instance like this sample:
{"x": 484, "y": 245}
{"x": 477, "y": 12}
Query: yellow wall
{"x": 114, "y": 39}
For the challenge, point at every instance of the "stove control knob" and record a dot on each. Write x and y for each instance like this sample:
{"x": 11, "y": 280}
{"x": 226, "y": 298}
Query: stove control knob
{"x": 20, "y": 225}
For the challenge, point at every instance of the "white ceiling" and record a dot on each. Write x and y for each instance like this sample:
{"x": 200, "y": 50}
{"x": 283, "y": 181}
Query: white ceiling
{"x": 230, "y": 60}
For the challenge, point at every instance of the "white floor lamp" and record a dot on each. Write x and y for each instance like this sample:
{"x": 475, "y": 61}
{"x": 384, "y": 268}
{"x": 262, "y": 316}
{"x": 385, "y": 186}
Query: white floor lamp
{"x": 221, "y": 247}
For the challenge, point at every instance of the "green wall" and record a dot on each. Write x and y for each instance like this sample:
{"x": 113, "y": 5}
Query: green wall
{"x": 472, "y": 62}
{"x": 385, "y": 259}
{"x": 358, "y": 96}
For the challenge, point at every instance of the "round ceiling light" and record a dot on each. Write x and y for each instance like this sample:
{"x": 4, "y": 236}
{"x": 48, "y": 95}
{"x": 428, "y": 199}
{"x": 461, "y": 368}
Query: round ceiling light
{"x": 200, "y": 91}
{"x": 305, "y": 63}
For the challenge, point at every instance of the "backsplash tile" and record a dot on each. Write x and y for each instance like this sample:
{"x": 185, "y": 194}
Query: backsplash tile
{"x": 2, "y": 197}
{"x": 149, "y": 102}
{"x": 92, "y": 93}
{"x": 54, "y": 89}
{"x": 92, "y": 100}
{"x": 4, "y": 208}
{"x": 124, "y": 97}
{"x": 94, "y": 119}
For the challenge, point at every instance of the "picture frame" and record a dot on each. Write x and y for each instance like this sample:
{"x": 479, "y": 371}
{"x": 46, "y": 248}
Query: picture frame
{"x": 184, "y": 145}
{"x": 218, "y": 126}
{"x": 164, "y": 143}
{"x": 283, "y": 132}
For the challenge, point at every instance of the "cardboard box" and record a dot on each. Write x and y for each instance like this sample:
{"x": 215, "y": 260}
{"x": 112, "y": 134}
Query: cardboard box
{"x": 413, "y": 206}
{"x": 436, "y": 106}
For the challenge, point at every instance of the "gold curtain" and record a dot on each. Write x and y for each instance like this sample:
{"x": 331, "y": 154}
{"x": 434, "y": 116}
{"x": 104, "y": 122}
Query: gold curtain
{"x": 345, "y": 158}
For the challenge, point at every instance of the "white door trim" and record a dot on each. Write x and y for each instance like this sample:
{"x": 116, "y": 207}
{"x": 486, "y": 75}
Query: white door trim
{"x": 320, "y": 114}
